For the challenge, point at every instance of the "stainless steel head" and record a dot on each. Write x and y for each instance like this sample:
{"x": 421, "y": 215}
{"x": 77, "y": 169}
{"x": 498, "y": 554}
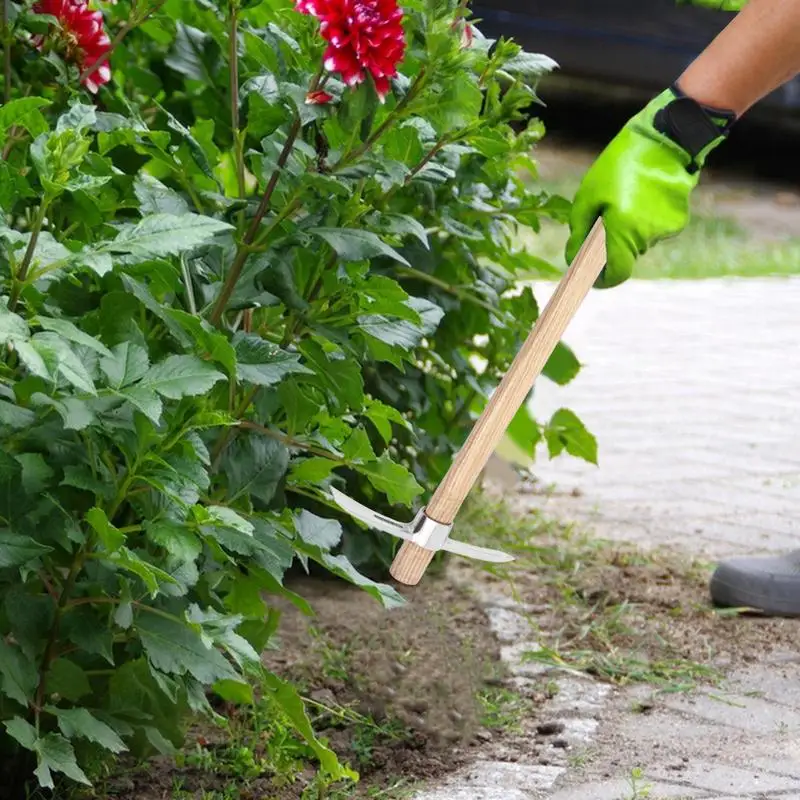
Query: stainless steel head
{"x": 422, "y": 531}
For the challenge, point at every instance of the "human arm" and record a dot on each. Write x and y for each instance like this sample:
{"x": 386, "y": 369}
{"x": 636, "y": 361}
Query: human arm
{"x": 642, "y": 182}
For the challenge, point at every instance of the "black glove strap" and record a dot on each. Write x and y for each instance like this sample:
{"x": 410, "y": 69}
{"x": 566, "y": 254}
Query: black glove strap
{"x": 692, "y": 125}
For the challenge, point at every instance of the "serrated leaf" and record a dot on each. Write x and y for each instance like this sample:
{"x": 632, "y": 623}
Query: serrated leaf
{"x": 17, "y": 550}
{"x": 22, "y": 731}
{"x": 351, "y": 244}
{"x": 75, "y": 413}
{"x": 323, "y": 533}
{"x": 74, "y": 334}
{"x": 393, "y": 479}
{"x": 180, "y": 376}
{"x": 81, "y": 628}
{"x": 19, "y": 674}
{"x": 125, "y": 364}
{"x": 228, "y": 518}
{"x": 175, "y": 538}
{"x": 392, "y": 332}
{"x": 36, "y": 472}
{"x": 161, "y": 235}
{"x": 255, "y": 464}
{"x": 151, "y": 575}
{"x": 56, "y": 755}
{"x": 264, "y": 364}
{"x": 524, "y": 431}
{"x": 156, "y": 198}
{"x": 178, "y": 649}
{"x": 565, "y": 431}
{"x": 111, "y": 537}
{"x": 80, "y": 723}
{"x": 341, "y": 377}
{"x": 530, "y": 65}
{"x": 61, "y": 360}
{"x": 237, "y": 692}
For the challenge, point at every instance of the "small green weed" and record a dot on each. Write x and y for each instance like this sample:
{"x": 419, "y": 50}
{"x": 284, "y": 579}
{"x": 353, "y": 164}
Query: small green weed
{"x": 503, "y": 709}
{"x": 639, "y": 788}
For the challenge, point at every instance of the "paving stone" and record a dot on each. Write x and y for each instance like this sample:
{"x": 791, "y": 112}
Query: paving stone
{"x": 475, "y": 793}
{"x": 579, "y": 696}
{"x": 621, "y": 789}
{"x": 520, "y": 777}
{"x": 726, "y": 778}
{"x": 508, "y": 625}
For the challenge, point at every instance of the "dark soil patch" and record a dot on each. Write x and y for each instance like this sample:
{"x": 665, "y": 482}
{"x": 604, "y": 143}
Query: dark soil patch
{"x": 394, "y": 693}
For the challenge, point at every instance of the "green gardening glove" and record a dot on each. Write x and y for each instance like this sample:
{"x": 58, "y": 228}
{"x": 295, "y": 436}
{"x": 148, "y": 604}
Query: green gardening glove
{"x": 717, "y": 5}
{"x": 642, "y": 182}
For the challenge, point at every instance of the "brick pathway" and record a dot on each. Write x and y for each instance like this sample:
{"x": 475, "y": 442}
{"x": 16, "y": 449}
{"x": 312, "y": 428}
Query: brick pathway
{"x": 691, "y": 389}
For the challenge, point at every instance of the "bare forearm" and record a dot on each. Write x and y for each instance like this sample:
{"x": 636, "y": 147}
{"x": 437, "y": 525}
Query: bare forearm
{"x": 758, "y": 51}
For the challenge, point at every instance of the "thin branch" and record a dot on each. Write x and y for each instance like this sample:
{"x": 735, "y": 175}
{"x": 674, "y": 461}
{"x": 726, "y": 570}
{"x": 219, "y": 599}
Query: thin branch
{"x": 6, "y": 53}
{"x": 289, "y": 441}
{"x": 22, "y": 273}
{"x": 244, "y": 248}
{"x": 234, "y": 94}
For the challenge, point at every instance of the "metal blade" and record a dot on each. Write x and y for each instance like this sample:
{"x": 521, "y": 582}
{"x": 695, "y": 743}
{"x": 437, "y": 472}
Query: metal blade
{"x": 378, "y": 521}
{"x": 475, "y": 552}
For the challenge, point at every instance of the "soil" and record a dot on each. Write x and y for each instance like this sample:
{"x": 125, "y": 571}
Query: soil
{"x": 413, "y": 674}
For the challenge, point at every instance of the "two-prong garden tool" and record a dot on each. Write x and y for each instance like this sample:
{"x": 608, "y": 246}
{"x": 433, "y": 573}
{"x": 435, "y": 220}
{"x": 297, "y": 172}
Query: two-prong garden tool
{"x": 429, "y": 531}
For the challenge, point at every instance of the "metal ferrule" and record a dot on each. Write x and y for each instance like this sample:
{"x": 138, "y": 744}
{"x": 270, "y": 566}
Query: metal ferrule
{"x": 429, "y": 533}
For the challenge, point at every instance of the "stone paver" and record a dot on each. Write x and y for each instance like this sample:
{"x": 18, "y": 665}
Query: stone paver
{"x": 691, "y": 390}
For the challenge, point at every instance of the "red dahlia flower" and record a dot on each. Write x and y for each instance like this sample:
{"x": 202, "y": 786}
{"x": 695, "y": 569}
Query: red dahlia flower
{"x": 363, "y": 36}
{"x": 85, "y": 41}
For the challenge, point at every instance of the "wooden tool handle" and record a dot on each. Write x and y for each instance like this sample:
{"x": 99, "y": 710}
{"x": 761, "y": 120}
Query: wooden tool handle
{"x": 411, "y": 561}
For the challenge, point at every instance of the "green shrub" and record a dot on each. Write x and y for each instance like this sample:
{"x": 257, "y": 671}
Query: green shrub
{"x": 218, "y": 299}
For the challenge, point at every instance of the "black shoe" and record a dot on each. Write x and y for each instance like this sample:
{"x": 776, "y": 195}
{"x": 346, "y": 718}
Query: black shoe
{"x": 770, "y": 584}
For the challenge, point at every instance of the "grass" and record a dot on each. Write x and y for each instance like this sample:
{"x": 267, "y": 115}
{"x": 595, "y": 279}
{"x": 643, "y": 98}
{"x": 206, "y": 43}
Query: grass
{"x": 503, "y": 709}
{"x": 588, "y": 626}
{"x": 711, "y": 246}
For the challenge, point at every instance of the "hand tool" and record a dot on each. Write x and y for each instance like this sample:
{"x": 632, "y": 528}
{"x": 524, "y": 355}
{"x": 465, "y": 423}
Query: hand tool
{"x": 429, "y": 531}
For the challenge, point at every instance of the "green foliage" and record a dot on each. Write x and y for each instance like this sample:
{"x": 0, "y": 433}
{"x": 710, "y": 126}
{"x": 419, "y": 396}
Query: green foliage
{"x": 217, "y": 301}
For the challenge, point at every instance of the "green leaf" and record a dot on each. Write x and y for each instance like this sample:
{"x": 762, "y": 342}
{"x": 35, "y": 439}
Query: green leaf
{"x": 161, "y": 235}
{"x": 255, "y": 465}
{"x": 80, "y": 723}
{"x": 180, "y": 376}
{"x": 75, "y": 413}
{"x": 36, "y": 472}
{"x": 524, "y": 431}
{"x": 82, "y": 628}
{"x": 73, "y": 333}
{"x": 566, "y": 432}
{"x": 382, "y": 417}
{"x": 393, "y": 332}
{"x": 125, "y": 364}
{"x": 12, "y": 327}
{"x": 340, "y": 376}
{"x": 180, "y": 542}
{"x": 264, "y": 364}
{"x": 151, "y": 575}
{"x": 156, "y": 198}
{"x": 19, "y": 674}
{"x": 393, "y": 479}
{"x": 56, "y": 755}
{"x": 312, "y": 470}
{"x": 562, "y": 366}
{"x": 67, "y": 679}
{"x": 15, "y": 416}
{"x": 176, "y": 648}
{"x": 357, "y": 245}
{"x": 111, "y": 537}
{"x": 60, "y": 360}
{"x": 324, "y": 533}
{"x": 287, "y": 698}
{"x": 22, "y": 731}
{"x": 237, "y": 692}
{"x": 23, "y": 112}
{"x": 17, "y": 550}
{"x": 404, "y": 225}
{"x": 228, "y": 518}
{"x": 530, "y": 65}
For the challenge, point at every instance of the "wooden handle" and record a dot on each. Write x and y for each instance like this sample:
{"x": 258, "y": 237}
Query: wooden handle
{"x": 411, "y": 561}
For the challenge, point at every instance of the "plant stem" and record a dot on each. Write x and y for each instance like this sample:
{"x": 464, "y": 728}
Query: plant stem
{"x": 386, "y": 124}
{"x": 6, "y": 53}
{"x": 234, "y": 93}
{"x": 187, "y": 284}
{"x": 244, "y": 248}
{"x": 289, "y": 441}
{"x": 22, "y": 273}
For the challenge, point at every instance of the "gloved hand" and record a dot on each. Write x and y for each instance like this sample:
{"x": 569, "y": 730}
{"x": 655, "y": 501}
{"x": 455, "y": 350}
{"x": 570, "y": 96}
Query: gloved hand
{"x": 642, "y": 182}
{"x": 717, "y": 5}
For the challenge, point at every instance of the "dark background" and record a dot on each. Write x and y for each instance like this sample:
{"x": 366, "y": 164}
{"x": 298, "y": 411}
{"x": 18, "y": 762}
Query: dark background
{"x": 613, "y": 55}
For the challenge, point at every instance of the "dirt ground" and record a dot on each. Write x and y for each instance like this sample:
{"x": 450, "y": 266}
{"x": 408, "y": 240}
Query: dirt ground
{"x": 394, "y": 693}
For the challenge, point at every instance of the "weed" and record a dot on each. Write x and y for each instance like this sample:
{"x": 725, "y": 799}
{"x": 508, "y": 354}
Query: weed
{"x": 503, "y": 709}
{"x": 639, "y": 789}
{"x": 335, "y": 660}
